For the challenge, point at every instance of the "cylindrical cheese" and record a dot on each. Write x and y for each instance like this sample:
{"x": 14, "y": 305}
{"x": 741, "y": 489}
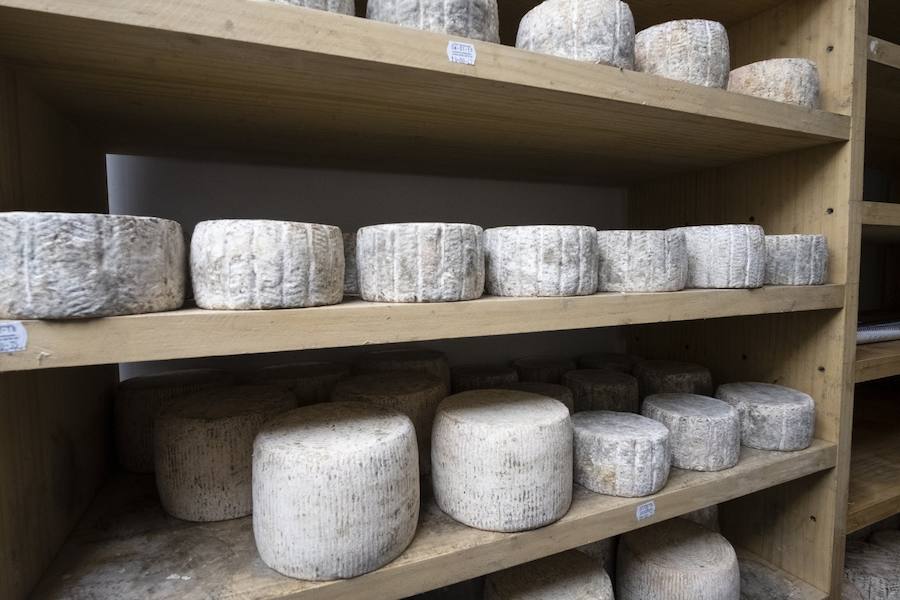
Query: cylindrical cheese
{"x": 70, "y": 265}
{"x": 691, "y": 50}
{"x": 669, "y": 376}
{"x": 773, "y": 417}
{"x": 335, "y": 490}
{"x": 241, "y": 264}
{"x": 550, "y": 390}
{"x": 477, "y": 19}
{"x": 873, "y": 570}
{"x": 542, "y": 369}
{"x": 796, "y": 259}
{"x": 641, "y": 261}
{"x": 310, "y": 381}
{"x": 603, "y": 389}
{"x": 791, "y": 80}
{"x": 480, "y": 377}
{"x": 351, "y": 271}
{"x": 850, "y": 591}
{"x": 501, "y": 460}
{"x": 344, "y": 7}
{"x": 725, "y": 256}
{"x": 565, "y": 576}
{"x": 603, "y": 552}
{"x": 707, "y": 516}
{"x": 760, "y": 581}
{"x": 616, "y": 361}
{"x": 430, "y": 362}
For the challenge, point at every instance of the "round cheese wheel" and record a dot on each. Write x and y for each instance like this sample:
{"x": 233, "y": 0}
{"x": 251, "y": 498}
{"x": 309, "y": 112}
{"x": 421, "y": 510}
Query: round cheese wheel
{"x": 351, "y": 271}
{"x": 873, "y": 570}
{"x": 616, "y": 361}
{"x": 666, "y": 376}
{"x": 310, "y": 381}
{"x": 603, "y": 389}
{"x": 430, "y": 362}
{"x": 477, "y": 19}
{"x": 641, "y": 261}
{"x": 691, "y": 50}
{"x": 791, "y": 80}
{"x": 796, "y": 259}
{"x": 773, "y": 417}
{"x": 603, "y": 552}
{"x": 565, "y": 576}
{"x": 760, "y": 581}
{"x": 542, "y": 369}
{"x": 708, "y": 517}
{"x": 480, "y": 377}
{"x": 344, "y": 7}
{"x": 551, "y": 390}
{"x": 850, "y": 591}
{"x": 725, "y": 256}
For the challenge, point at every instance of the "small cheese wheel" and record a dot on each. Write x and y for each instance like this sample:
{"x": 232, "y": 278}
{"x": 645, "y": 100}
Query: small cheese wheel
{"x": 335, "y": 490}
{"x": 725, "y": 256}
{"x": 691, "y": 50}
{"x": 620, "y": 454}
{"x": 351, "y": 271}
{"x": 873, "y": 570}
{"x": 603, "y": 552}
{"x": 641, "y": 261}
{"x": 476, "y": 19}
{"x": 791, "y": 80}
{"x": 773, "y": 417}
{"x": 666, "y": 376}
{"x": 705, "y": 433}
{"x": 344, "y": 7}
{"x": 708, "y": 517}
{"x": 565, "y": 576}
{"x": 542, "y": 369}
{"x": 796, "y": 259}
{"x": 420, "y": 262}
{"x": 75, "y": 265}
{"x": 430, "y": 362}
{"x": 596, "y": 31}
{"x": 310, "y": 381}
{"x": 480, "y": 377}
{"x": 889, "y": 539}
{"x": 239, "y": 264}
{"x": 501, "y": 460}
{"x": 676, "y": 560}
{"x": 616, "y": 361}
{"x": 551, "y": 390}
{"x": 202, "y": 449}
{"x": 603, "y": 389}
{"x": 541, "y": 260}
{"x": 760, "y": 581}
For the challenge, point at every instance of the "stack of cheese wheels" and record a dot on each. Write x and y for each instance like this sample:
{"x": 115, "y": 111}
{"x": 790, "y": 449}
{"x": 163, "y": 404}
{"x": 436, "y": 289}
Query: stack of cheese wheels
{"x": 67, "y": 265}
{"x": 260, "y": 264}
{"x": 603, "y": 552}
{"x": 707, "y": 516}
{"x": 676, "y": 560}
{"x": 761, "y": 581}
{"x": 616, "y": 361}
{"x": 480, "y": 377}
{"x": 791, "y": 80}
{"x": 416, "y": 395}
{"x": 691, "y": 50}
{"x": 344, "y": 7}
{"x": 620, "y": 454}
{"x": 543, "y": 369}
{"x": 603, "y": 389}
{"x": 796, "y": 259}
{"x": 477, "y": 19}
{"x": 550, "y": 390}
{"x": 641, "y": 261}
{"x": 324, "y": 470}
{"x": 203, "y": 446}
{"x": 664, "y": 376}
{"x": 351, "y": 271}
{"x": 704, "y": 433}
{"x": 501, "y": 460}
{"x": 139, "y": 399}
{"x": 420, "y": 262}
{"x": 725, "y": 256}
{"x": 569, "y": 575}
{"x": 541, "y": 260}
{"x": 773, "y": 417}
{"x": 873, "y": 570}
{"x": 310, "y": 381}
{"x": 429, "y": 362}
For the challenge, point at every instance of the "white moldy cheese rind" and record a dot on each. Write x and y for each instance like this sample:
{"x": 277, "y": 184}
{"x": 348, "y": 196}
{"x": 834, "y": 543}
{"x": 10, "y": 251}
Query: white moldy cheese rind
{"x": 202, "y": 450}
{"x": 691, "y": 50}
{"x": 344, "y": 7}
{"x": 603, "y": 389}
{"x": 565, "y": 576}
{"x": 239, "y": 264}
{"x": 550, "y": 390}
{"x": 430, "y": 362}
{"x": 760, "y": 581}
{"x": 676, "y": 560}
{"x": 873, "y": 570}
{"x": 480, "y": 377}
{"x": 796, "y": 259}
{"x": 791, "y": 80}
{"x": 668, "y": 376}
{"x": 542, "y": 369}
{"x": 501, "y": 460}
{"x": 310, "y": 381}
{"x": 850, "y": 591}
{"x": 351, "y": 271}
{"x": 335, "y": 490}
{"x": 616, "y": 361}
{"x": 78, "y": 265}
{"x": 597, "y": 31}
{"x": 725, "y": 256}
{"x": 704, "y": 433}
{"x": 708, "y": 517}
{"x": 773, "y": 417}
{"x": 476, "y": 19}
{"x": 620, "y": 454}
{"x": 420, "y": 262}
{"x": 641, "y": 261}
{"x": 541, "y": 260}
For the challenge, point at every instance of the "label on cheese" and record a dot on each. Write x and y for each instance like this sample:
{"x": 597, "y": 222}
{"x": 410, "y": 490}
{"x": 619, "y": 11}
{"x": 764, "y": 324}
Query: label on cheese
{"x": 13, "y": 336}
{"x": 461, "y": 52}
{"x": 645, "y": 510}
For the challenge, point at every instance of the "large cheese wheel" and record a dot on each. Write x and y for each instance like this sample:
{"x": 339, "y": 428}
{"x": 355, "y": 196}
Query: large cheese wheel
{"x": 202, "y": 449}
{"x": 725, "y": 256}
{"x": 705, "y": 433}
{"x": 565, "y": 576}
{"x": 68, "y": 265}
{"x": 603, "y": 389}
{"x": 796, "y": 259}
{"x": 501, "y": 460}
{"x": 889, "y": 539}
{"x": 543, "y": 369}
{"x": 676, "y": 560}
{"x": 707, "y": 516}
{"x": 616, "y": 361}
{"x": 665, "y": 376}
{"x": 550, "y": 390}
{"x": 603, "y": 552}
{"x": 310, "y": 381}
{"x": 420, "y": 262}
{"x": 430, "y": 362}
{"x": 345, "y": 7}
{"x": 335, "y": 490}
{"x": 873, "y": 570}
{"x": 791, "y": 80}
{"x": 351, "y": 271}
{"x": 760, "y": 581}
{"x": 477, "y": 19}
{"x": 480, "y": 377}
{"x": 773, "y": 417}
{"x": 691, "y": 50}
{"x": 258, "y": 264}
{"x": 641, "y": 261}
{"x": 541, "y": 260}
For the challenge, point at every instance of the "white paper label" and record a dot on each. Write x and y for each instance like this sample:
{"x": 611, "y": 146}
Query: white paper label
{"x": 645, "y": 510}
{"x": 13, "y": 337}
{"x": 461, "y": 52}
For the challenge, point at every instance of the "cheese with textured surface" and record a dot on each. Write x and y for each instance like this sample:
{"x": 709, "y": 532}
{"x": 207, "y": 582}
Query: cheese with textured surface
{"x": 704, "y": 433}
{"x": 791, "y": 80}
{"x": 344, "y": 7}
{"x": 873, "y": 570}
{"x": 351, "y": 271}
{"x": 604, "y": 552}
{"x": 603, "y": 389}
{"x": 420, "y": 262}
{"x": 620, "y": 454}
{"x": 725, "y": 256}
{"x": 691, "y": 50}
{"x": 596, "y": 31}
{"x": 796, "y": 259}
{"x": 773, "y": 417}
{"x": 239, "y": 264}
{"x": 850, "y": 591}
{"x": 310, "y": 381}
{"x": 565, "y": 576}
{"x": 476, "y": 19}
{"x": 542, "y": 369}
{"x": 616, "y": 361}
{"x": 667, "y": 376}
{"x": 707, "y": 516}
{"x": 550, "y": 390}
{"x": 335, "y": 490}
{"x": 641, "y": 261}
{"x": 501, "y": 460}
{"x": 760, "y": 581}
{"x": 76, "y": 265}
{"x": 202, "y": 449}
{"x": 541, "y": 260}
{"x": 430, "y": 362}
{"x": 676, "y": 560}
{"x": 481, "y": 377}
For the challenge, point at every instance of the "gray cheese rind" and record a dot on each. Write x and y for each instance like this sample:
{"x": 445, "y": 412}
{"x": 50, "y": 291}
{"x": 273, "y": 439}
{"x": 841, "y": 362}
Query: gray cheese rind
{"x": 642, "y": 261}
{"x": 566, "y": 576}
{"x": 664, "y": 376}
{"x": 873, "y": 570}
{"x": 773, "y": 417}
{"x": 691, "y": 50}
{"x": 603, "y": 389}
{"x": 796, "y": 259}
{"x": 351, "y": 271}
{"x": 725, "y": 256}
{"x": 476, "y": 19}
{"x": 790, "y": 80}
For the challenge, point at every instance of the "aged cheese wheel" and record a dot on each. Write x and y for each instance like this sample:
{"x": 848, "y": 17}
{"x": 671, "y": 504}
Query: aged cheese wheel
{"x": 75, "y": 265}
{"x": 664, "y": 376}
{"x": 416, "y": 395}
{"x": 202, "y": 449}
{"x": 477, "y": 19}
{"x": 480, "y": 377}
{"x": 850, "y": 591}
{"x": 501, "y": 460}
{"x": 543, "y": 369}
{"x": 550, "y": 390}
{"x": 310, "y": 381}
{"x": 541, "y": 260}
{"x": 873, "y": 570}
{"x": 676, "y": 560}
{"x": 791, "y": 80}
{"x": 139, "y": 399}
{"x": 796, "y": 259}
{"x": 335, "y": 490}
{"x": 565, "y": 576}
{"x": 254, "y": 264}
{"x": 889, "y": 539}
{"x": 603, "y": 552}
{"x": 691, "y": 50}
{"x": 641, "y": 261}
{"x": 345, "y": 7}
{"x": 430, "y": 362}
{"x": 708, "y": 517}
{"x": 616, "y": 361}
{"x": 351, "y": 272}
{"x": 620, "y": 454}
{"x": 597, "y": 31}
{"x": 760, "y": 581}
{"x": 725, "y": 256}
{"x": 704, "y": 433}
{"x": 773, "y": 417}
{"x": 420, "y": 262}
{"x": 603, "y": 389}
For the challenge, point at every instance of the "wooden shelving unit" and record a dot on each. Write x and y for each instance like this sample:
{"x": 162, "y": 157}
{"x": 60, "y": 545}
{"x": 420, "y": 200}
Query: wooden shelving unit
{"x": 877, "y": 361}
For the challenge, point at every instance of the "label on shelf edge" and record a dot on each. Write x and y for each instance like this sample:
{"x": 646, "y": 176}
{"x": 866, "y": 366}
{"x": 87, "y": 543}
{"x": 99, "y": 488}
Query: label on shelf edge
{"x": 645, "y": 510}
{"x": 13, "y": 336}
{"x": 461, "y": 52}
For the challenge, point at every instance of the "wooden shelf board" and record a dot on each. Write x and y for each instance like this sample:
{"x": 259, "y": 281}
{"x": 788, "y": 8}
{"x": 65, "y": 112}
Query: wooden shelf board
{"x": 884, "y": 52}
{"x": 877, "y": 361}
{"x": 194, "y": 332}
{"x": 127, "y": 547}
{"x": 882, "y": 99}
{"x": 884, "y": 214}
